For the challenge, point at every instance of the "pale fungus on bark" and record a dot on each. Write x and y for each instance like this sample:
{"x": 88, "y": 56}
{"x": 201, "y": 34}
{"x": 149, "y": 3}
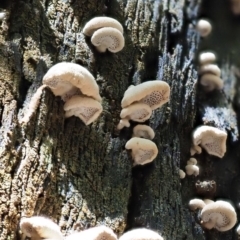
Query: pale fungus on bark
{"x": 195, "y": 150}
{"x": 38, "y": 227}
{"x": 192, "y": 170}
{"x": 204, "y": 27}
{"x": 212, "y": 139}
{"x": 211, "y": 82}
{"x": 141, "y": 234}
{"x": 220, "y": 215}
{"x": 182, "y": 174}
{"x": 192, "y": 161}
{"x": 143, "y": 131}
{"x": 143, "y": 150}
{"x": 153, "y": 93}
{"x": 207, "y": 58}
{"x": 196, "y": 203}
{"x": 94, "y": 233}
{"x": 210, "y": 68}
{"x": 208, "y": 201}
{"x": 86, "y": 108}
{"x": 101, "y": 22}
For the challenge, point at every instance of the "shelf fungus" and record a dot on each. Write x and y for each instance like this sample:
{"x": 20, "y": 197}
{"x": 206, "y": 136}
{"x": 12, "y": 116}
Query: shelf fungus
{"x": 191, "y": 168}
{"x": 197, "y": 203}
{"x": 143, "y": 150}
{"x": 40, "y": 228}
{"x": 143, "y": 131}
{"x": 141, "y": 234}
{"x": 94, "y": 233}
{"x": 211, "y": 82}
{"x": 153, "y": 93}
{"x": 212, "y": 139}
{"x": 65, "y": 80}
{"x": 106, "y": 34}
{"x": 220, "y": 215}
{"x": 86, "y": 108}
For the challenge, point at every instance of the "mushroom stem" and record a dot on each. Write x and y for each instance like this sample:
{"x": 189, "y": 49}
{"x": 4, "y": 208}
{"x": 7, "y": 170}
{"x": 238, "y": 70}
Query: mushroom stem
{"x": 33, "y": 105}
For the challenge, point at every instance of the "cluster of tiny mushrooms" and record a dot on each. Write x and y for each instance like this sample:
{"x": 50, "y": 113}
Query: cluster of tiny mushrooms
{"x": 80, "y": 92}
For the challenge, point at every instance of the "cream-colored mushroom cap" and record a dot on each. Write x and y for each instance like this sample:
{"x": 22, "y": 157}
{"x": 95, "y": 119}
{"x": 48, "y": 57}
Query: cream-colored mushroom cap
{"x": 211, "y": 82}
{"x": 94, "y": 233}
{"x": 208, "y": 201}
{"x": 182, "y": 174}
{"x": 108, "y": 38}
{"x": 192, "y": 161}
{"x": 212, "y": 139}
{"x": 207, "y": 58}
{"x": 138, "y": 112}
{"x": 40, "y": 227}
{"x": 100, "y": 22}
{"x": 143, "y": 131}
{"x": 196, "y": 203}
{"x": 153, "y": 93}
{"x": 195, "y": 150}
{"x": 204, "y": 27}
{"x": 143, "y": 150}
{"x": 192, "y": 170}
{"x": 86, "y": 108}
{"x": 210, "y": 68}
{"x": 141, "y": 234}
{"x": 66, "y": 77}
{"x": 220, "y": 215}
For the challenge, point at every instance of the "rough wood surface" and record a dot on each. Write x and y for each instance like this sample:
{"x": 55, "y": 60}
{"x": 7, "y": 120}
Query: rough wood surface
{"x": 81, "y": 176}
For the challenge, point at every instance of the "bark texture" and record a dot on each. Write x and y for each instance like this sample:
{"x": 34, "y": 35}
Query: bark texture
{"x": 81, "y": 176}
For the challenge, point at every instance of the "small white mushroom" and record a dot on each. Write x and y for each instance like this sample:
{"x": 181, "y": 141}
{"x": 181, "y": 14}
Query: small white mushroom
{"x": 211, "y": 82}
{"x": 182, "y": 174}
{"x": 40, "y": 227}
{"x": 192, "y": 170}
{"x": 196, "y": 203}
{"x": 195, "y": 150}
{"x": 210, "y": 68}
{"x": 204, "y": 27}
{"x": 143, "y": 131}
{"x": 143, "y": 150}
{"x": 220, "y": 215}
{"x": 212, "y": 139}
{"x": 141, "y": 234}
{"x": 207, "y": 58}
{"x": 192, "y": 161}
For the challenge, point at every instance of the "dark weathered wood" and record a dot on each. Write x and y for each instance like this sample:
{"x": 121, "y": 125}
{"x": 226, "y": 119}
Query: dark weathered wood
{"x": 82, "y": 175}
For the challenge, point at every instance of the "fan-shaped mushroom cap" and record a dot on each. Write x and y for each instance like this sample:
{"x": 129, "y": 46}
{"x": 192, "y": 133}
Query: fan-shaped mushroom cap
{"x": 153, "y": 93}
{"x": 40, "y": 227}
{"x": 204, "y": 27}
{"x": 211, "y": 82}
{"x": 138, "y": 112}
{"x": 100, "y": 22}
{"x": 143, "y": 131}
{"x": 192, "y": 161}
{"x": 208, "y": 201}
{"x": 195, "y": 149}
{"x": 196, "y": 203}
{"x": 86, "y": 108}
{"x": 212, "y": 139}
{"x": 182, "y": 174}
{"x": 141, "y": 234}
{"x": 94, "y": 233}
{"x": 210, "y": 68}
{"x": 207, "y": 58}
{"x": 143, "y": 150}
{"x": 192, "y": 170}
{"x": 108, "y": 38}
{"x": 66, "y": 78}
{"x": 220, "y": 215}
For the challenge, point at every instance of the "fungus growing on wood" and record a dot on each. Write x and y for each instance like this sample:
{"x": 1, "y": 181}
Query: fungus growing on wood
{"x": 220, "y": 215}
{"x": 143, "y": 150}
{"x": 108, "y": 38}
{"x": 196, "y": 203}
{"x": 192, "y": 161}
{"x": 204, "y": 27}
{"x": 212, "y": 139}
{"x": 192, "y": 170}
{"x": 182, "y": 174}
{"x": 153, "y": 93}
{"x": 210, "y": 68}
{"x": 195, "y": 150}
{"x": 138, "y": 112}
{"x": 143, "y": 131}
{"x": 206, "y": 188}
{"x": 40, "y": 227}
{"x": 101, "y": 22}
{"x": 86, "y": 108}
{"x": 141, "y": 234}
{"x": 207, "y": 58}
{"x": 94, "y": 233}
{"x": 211, "y": 82}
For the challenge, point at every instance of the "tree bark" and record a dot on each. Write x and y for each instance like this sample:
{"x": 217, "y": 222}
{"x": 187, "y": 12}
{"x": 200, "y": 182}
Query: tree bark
{"x": 81, "y": 175}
